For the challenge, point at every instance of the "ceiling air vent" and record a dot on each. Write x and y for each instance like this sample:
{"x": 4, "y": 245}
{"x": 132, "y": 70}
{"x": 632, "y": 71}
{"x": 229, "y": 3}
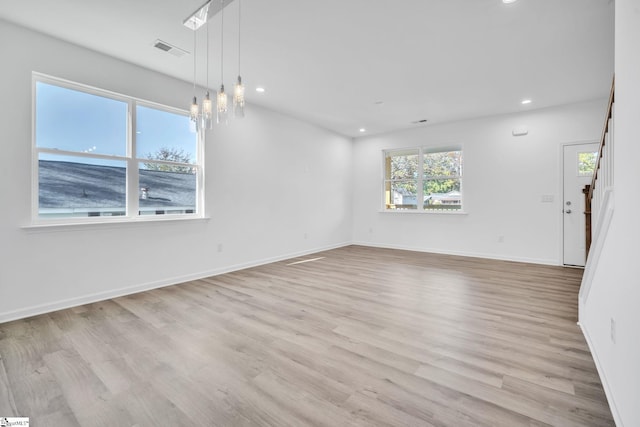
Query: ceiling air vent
{"x": 169, "y": 48}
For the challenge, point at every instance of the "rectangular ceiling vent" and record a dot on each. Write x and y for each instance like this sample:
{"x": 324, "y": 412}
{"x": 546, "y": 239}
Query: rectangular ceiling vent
{"x": 169, "y": 48}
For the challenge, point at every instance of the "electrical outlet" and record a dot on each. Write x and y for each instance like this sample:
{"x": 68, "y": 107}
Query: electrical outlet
{"x": 500, "y": 239}
{"x": 613, "y": 330}
{"x": 219, "y": 247}
{"x": 370, "y": 229}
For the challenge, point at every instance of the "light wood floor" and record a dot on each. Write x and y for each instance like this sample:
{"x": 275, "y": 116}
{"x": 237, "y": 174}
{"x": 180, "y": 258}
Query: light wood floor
{"x": 363, "y": 336}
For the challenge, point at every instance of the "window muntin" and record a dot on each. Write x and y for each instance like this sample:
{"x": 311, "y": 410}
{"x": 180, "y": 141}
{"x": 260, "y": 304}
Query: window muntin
{"x": 83, "y": 161}
{"x": 433, "y": 176}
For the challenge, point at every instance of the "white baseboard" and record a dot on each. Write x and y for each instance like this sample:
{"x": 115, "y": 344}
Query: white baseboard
{"x": 603, "y": 378}
{"x": 460, "y": 253}
{"x": 114, "y": 293}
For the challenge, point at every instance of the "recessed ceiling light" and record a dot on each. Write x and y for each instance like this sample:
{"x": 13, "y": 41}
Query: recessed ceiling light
{"x": 526, "y": 101}
{"x": 508, "y": 1}
{"x": 260, "y": 89}
{"x": 363, "y": 130}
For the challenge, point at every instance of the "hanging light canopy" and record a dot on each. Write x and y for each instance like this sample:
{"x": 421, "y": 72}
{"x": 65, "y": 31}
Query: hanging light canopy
{"x": 203, "y": 118}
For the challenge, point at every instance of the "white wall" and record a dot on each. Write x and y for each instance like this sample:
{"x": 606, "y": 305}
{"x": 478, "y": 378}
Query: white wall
{"x": 270, "y": 180}
{"x": 615, "y": 290}
{"x": 504, "y": 180}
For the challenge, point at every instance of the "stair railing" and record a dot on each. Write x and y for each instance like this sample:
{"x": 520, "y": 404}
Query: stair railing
{"x": 602, "y": 180}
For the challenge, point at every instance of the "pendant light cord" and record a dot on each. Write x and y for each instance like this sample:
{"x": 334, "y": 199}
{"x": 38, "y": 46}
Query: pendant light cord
{"x": 222, "y": 43}
{"x": 207, "y": 58}
{"x": 194, "y": 58}
{"x": 239, "y": 22}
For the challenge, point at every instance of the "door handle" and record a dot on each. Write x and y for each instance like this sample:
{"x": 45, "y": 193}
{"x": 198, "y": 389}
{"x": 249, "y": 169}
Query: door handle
{"x": 568, "y": 211}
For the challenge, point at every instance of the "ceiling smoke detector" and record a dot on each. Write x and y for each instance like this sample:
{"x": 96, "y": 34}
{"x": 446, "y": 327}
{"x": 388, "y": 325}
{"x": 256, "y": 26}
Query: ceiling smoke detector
{"x": 169, "y": 48}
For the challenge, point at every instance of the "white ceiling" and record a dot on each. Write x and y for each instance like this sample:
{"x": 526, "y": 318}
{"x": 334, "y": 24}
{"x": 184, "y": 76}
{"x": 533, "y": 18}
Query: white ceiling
{"x": 329, "y": 62}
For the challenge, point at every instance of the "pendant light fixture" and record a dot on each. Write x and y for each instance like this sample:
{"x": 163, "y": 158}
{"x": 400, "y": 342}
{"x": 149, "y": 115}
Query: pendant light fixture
{"x": 207, "y": 106}
{"x": 194, "y": 110}
{"x": 221, "y": 115}
{"x": 238, "y": 92}
{"x": 202, "y": 116}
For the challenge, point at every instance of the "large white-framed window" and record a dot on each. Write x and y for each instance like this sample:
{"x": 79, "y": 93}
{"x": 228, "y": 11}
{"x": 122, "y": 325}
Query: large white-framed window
{"x": 423, "y": 179}
{"x": 101, "y": 156}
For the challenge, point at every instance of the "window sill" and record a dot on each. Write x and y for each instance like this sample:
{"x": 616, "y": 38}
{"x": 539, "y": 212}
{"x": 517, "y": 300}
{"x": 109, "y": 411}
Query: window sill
{"x": 115, "y": 223}
{"x": 424, "y": 212}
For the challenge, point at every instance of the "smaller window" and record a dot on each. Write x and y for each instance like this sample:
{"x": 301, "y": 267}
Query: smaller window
{"x": 587, "y": 163}
{"x": 433, "y": 177}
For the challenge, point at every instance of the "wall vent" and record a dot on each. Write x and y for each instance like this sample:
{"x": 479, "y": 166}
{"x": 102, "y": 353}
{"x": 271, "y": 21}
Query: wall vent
{"x": 169, "y": 48}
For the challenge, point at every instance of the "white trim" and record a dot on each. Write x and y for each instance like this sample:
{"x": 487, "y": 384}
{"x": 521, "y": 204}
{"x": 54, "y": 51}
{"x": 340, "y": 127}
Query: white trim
{"x": 115, "y": 293}
{"x": 600, "y": 232}
{"x": 603, "y": 378}
{"x": 541, "y": 261}
{"x": 425, "y": 211}
{"x": 561, "y": 193}
{"x": 116, "y": 222}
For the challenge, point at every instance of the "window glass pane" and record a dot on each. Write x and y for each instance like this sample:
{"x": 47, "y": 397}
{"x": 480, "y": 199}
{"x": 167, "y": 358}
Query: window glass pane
{"x": 80, "y": 187}
{"x": 447, "y": 163}
{"x": 161, "y": 135}
{"x": 403, "y": 195}
{"x": 401, "y": 165}
{"x": 440, "y": 194}
{"x": 71, "y": 120}
{"x": 587, "y": 163}
{"x": 166, "y": 189}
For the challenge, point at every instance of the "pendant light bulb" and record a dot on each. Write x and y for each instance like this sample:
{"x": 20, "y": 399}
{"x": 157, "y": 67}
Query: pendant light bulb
{"x": 238, "y": 99}
{"x": 222, "y": 106}
{"x": 193, "y": 114}
{"x": 207, "y": 112}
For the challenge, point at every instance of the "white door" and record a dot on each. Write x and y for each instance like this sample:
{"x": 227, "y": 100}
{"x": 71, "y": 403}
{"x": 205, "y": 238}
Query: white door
{"x": 579, "y": 161}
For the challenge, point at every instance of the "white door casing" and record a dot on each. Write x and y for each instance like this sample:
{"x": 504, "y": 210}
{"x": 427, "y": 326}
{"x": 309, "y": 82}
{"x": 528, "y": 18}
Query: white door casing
{"x": 574, "y": 247}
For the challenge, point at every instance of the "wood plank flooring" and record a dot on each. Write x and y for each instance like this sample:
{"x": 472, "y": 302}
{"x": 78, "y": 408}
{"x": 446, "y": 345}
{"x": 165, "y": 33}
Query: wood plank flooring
{"x": 359, "y": 337}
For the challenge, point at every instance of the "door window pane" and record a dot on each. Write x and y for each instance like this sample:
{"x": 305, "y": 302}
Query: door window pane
{"x": 587, "y": 163}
